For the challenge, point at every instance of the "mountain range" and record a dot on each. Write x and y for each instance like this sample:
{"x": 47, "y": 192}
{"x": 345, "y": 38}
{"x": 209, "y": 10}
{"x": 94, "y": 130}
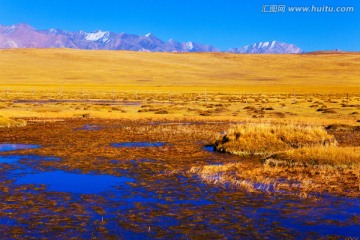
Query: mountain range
{"x": 273, "y": 47}
{"x": 25, "y": 36}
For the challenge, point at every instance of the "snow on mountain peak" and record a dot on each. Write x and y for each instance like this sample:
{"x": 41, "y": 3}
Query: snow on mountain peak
{"x": 8, "y": 29}
{"x": 189, "y": 46}
{"x": 151, "y": 36}
{"x": 98, "y": 35}
{"x": 14, "y": 27}
{"x": 55, "y": 31}
{"x": 265, "y": 44}
{"x": 267, "y": 47}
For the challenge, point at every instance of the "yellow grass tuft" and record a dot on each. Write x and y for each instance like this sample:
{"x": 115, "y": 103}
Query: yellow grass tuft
{"x": 7, "y": 122}
{"x": 264, "y": 139}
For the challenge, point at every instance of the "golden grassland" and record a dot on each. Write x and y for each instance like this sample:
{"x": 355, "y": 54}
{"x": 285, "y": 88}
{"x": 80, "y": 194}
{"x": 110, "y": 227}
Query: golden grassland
{"x": 64, "y": 69}
{"x": 319, "y": 111}
{"x": 217, "y": 86}
{"x": 278, "y": 94}
{"x": 314, "y": 109}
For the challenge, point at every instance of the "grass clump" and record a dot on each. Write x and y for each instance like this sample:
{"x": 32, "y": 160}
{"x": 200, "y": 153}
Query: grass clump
{"x": 267, "y": 139}
{"x": 7, "y": 122}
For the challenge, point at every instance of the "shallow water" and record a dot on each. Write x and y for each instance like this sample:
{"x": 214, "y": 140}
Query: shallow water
{"x": 170, "y": 204}
{"x": 17, "y": 158}
{"x": 7, "y": 221}
{"x": 321, "y": 217}
{"x": 138, "y": 144}
{"x": 4, "y": 147}
{"x": 60, "y": 181}
{"x": 88, "y": 127}
{"x": 10, "y": 159}
{"x": 144, "y": 204}
{"x": 209, "y": 148}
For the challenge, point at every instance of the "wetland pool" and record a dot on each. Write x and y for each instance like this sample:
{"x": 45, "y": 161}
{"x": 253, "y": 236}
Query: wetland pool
{"x": 176, "y": 207}
{"x": 141, "y": 193}
{"x": 88, "y": 127}
{"x": 59, "y": 181}
{"x": 209, "y": 148}
{"x": 5, "y": 147}
{"x": 138, "y": 144}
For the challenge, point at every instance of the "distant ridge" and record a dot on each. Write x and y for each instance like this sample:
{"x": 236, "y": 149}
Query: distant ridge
{"x": 326, "y": 52}
{"x": 25, "y": 36}
{"x": 273, "y": 47}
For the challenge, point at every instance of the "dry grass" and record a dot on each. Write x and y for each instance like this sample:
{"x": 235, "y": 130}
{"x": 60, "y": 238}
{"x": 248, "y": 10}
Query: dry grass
{"x": 308, "y": 161}
{"x": 284, "y": 179}
{"x": 228, "y": 107}
{"x": 265, "y": 139}
{"x": 7, "y": 122}
{"x": 335, "y": 156}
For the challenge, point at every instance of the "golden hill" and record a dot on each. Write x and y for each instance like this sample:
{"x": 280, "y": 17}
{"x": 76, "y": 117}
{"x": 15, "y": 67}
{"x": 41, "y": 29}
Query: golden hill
{"x": 21, "y": 68}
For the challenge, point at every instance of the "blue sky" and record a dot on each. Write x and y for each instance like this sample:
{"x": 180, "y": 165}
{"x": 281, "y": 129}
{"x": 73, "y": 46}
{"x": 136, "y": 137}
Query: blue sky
{"x": 222, "y": 23}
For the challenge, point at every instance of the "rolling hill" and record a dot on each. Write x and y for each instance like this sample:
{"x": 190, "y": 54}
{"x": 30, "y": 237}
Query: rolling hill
{"x": 95, "y": 69}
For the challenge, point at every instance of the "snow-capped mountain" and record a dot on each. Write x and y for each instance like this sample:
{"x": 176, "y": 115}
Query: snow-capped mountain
{"x": 25, "y": 36}
{"x": 267, "y": 47}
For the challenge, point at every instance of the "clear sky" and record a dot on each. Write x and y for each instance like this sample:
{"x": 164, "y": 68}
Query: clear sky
{"x": 222, "y": 23}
